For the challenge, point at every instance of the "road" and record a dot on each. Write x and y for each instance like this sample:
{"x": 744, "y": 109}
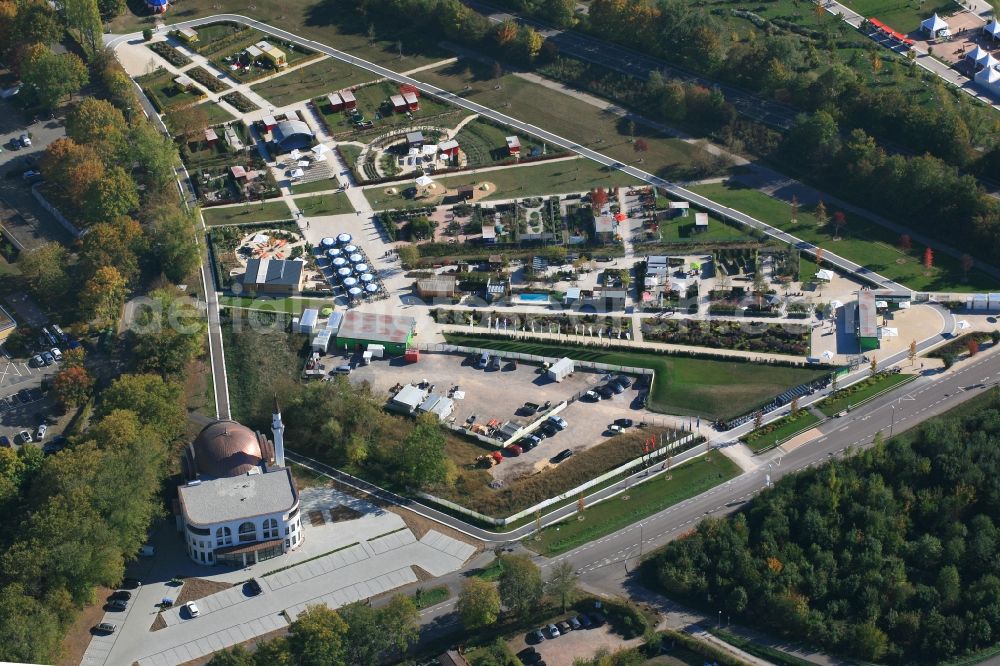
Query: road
{"x": 831, "y": 259}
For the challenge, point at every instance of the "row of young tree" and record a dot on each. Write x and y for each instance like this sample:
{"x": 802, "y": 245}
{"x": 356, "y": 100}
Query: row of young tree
{"x": 888, "y": 555}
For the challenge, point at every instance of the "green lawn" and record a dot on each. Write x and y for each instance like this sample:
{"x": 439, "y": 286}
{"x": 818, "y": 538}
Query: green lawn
{"x": 787, "y": 428}
{"x": 565, "y": 115}
{"x": 681, "y": 230}
{"x": 315, "y": 186}
{"x": 902, "y": 15}
{"x": 431, "y": 597}
{"x": 863, "y": 242}
{"x": 709, "y": 388}
{"x": 252, "y": 212}
{"x": 325, "y": 204}
{"x": 318, "y": 78}
{"x": 530, "y": 180}
{"x": 167, "y": 94}
{"x": 216, "y": 114}
{"x": 832, "y": 405}
{"x": 644, "y": 500}
{"x": 293, "y": 306}
{"x": 485, "y": 144}
{"x": 373, "y": 105}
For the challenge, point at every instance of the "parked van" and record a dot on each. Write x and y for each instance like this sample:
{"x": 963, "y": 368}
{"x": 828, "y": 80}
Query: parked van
{"x": 342, "y": 370}
{"x": 147, "y": 551}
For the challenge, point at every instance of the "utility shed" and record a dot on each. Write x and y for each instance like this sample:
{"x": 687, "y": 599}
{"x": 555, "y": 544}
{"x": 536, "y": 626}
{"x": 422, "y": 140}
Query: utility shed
{"x": 408, "y": 399}
{"x": 360, "y": 329}
{"x": 307, "y": 324}
{"x": 333, "y": 323}
{"x": 867, "y": 321}
{"x": 561, "y": 369}
{"x": 436, "y": 404}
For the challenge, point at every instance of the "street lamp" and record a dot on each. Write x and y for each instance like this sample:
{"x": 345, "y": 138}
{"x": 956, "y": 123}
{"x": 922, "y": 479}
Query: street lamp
{"x": 718, "y": 624}
{"x": 893, "y": 421}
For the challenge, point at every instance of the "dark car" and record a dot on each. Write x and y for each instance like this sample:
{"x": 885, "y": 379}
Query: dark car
{"x": 574, "y": 623}
{"x": 35, "y": 394}
{"x": 122, "y": 595}
{"x": 14, "y": 400}
{"x": 117, "y": 605}
{"x": 616, "y": 387}
{"x": 530, "y": 442}
{"x": 24, "y": 395}
{"x": 5, "y": 441}
{"x": 130, "y": 583}
{"x": 549, "y": 429}
{"x": 535, "y": 636}
{"x": 529, "y": 656}
{"x": 563, "y": 627}
{"x": 623, "y": 381}
{"x": 624, "y": 423}
{"x": 605, "y": 392}
{"x": 598, "y": 619}
{"x": 562, "y": 455}
{"x": 584, "y": 621}
{"x": 495, "y": 362}
{"x": 253, "y": 587}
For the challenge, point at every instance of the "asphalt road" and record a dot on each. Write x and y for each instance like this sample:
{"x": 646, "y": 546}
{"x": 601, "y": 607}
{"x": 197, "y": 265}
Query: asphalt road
{"x": 840, "y": 263}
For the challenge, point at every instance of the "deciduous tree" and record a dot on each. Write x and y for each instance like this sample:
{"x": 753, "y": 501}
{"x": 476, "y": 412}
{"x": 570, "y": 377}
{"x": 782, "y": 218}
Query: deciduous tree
{"x": 928, "y": 259}
{"x": 103, "y": 295}
{"x": 421, "y": 457}
{"x": 98, "y": 124}
{"x": 44, "y": 269}
{"x": 317, "y": 637}
{"x": 48, "y": 77}
{"x": 169, "y": 333}
{"x": 478, "y": 604}
{"x": 520, "y": 584}
{"x": 72, "y": 386}
{"x": 562, "y": 583}
{"x": 113, "y": 196}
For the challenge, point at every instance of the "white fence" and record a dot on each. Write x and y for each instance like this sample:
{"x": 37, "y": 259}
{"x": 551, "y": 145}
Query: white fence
{"x": 532, "y": 358}
{"x": 500, "y": 522}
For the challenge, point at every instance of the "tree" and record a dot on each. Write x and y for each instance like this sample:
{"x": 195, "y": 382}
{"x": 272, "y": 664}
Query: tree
{"x": 598, "y": 198}
{"x": 973, "y": 346}
{"x": 497, "y": 74}
{"x": 48, "y": 77}
{"x": 905, "y": 243}
{"x": 147, "y": 34}
{"x": 528, "y": 43}
{"x": 372, "y": 632}
{"x": 912, "y": 353}
{"x": 562, "y": 583}
{"x": 967, "y": 263}
{"x": 316, "y": 638}
{"x": 76, "y": 167}
{"x": 928, "y": 259}
{"x": 188, "y": 121}
{"x": 520, "y": 584}
{"x": 819, "y": 256}
{"x": 794, "y": 409}
{"x": 170, "y": 238}
{"x": 169, "y": 333}
{"x": 408, "y": 255}
{"x": 72, "y": 386}
{"x": 873, "y": 367}
{"x": 420, "y": 458}
{"x": 506, "y": 32}
{"x": 103, "y": 295}
{"x": 44, "y": 270}
{"x": 113, "y": 196}
{"x": 84, "y": 18}
{"x": 158, "y": 403}
{"x": 795, "y": 209}
{"x": 235, "y": 656}
{"x": 758, "y": 419}
{"x": 839, "y": 222}
{"x": 640, "y": 146}
{"x": 97, "y": 123}
{"x": 560, "y": 12}
{"x": 115, "y": 243}
{"x": 478, "y": 604}
{"x": 822, "y": 218}
{"x": 73, "y": 358}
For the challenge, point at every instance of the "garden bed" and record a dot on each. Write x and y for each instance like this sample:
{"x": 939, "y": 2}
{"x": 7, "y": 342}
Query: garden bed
{"x": 207, "y": 79}
{"x": 863, "y": 390}
{"x": 769, "y": 435}
{"x": 744, "y": 335}
{"x": 169, "y": 53}
{"x": 239, "y": 101}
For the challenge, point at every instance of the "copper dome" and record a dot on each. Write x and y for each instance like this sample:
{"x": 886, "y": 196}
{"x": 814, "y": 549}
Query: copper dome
{"x": 226, "y": 448}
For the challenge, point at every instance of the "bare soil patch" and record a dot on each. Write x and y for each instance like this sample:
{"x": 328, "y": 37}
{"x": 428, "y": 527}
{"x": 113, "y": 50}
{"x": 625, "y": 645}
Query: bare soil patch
{"x": 421, "y": 574}
{"x": 78, "y": 637}
{"x": 317, "y": 519}
{"x": 341, "y": 512}
{"x": 198, "y": 588}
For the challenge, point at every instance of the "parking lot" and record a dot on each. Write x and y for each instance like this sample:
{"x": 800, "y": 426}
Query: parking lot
{"x": 23, "y": 406}
{"x": 498, "y": 394}
{"x": 567, "y": 648}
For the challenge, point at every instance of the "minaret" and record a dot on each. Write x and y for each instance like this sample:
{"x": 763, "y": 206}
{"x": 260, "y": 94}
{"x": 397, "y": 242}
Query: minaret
{"x": 278, "y": 432}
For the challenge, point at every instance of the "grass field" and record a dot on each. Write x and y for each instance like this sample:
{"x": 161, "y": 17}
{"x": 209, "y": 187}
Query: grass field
{"x": 317, "y": 78}
{"x": 567, "y": 116}
{"x": 831, "y": 406}
{"x": 787, "y": 428}
{"x": 863, "y": 242}
{"x": 578, "y": 175}
{"x": 484, "y": 143}
{"x": 252, "y": 212}
{"x": 293, "y": 306}
{"x": 903, "y": 15}
{"x": 167, "y": 94}
{"x": 685, "y": 386}
{"x": 373, "y": 105}
{"x": 644, "y": 500}
{"x": 325, "y": 204}
{"x": 216, "y": 114}
{"x": 681, "y": 230}
{"x": 315, "y": 186}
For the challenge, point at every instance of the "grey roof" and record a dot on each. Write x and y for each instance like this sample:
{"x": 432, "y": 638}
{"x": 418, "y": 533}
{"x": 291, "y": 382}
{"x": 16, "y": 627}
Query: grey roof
{"x": 375, "y": 327}
{"x": 273, "y": 271}
{"x": 236, "y": 497}
{"x": 288, "y": 132}
{"x": 414, "y": 137}
{"x": 6, "y": 321}
{"x": 409, "y": 397}
{"x": 612, "y": 293}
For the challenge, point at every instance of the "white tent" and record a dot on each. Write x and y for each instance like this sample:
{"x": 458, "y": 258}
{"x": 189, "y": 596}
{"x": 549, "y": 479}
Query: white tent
{"x": 834, "y": 304}
{"x": 885, "y": 332}
{"x": 988, "y": 61}
{"x": 295, "y": 154}
{"x": 977, "y": 54}
{"x": 424, "y": 180}
{"x": 935, "y": 26}
{"x": 992, "y": 29}
{"x": 989, "y": 78}
{"x": 297, "y": 173}
{"x": 824, "y": 275}
{"x": 904, "y": 305}
{"x": 320, "y": 149}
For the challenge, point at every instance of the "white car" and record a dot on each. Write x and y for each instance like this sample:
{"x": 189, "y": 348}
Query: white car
{"x": 40, "y": 433}
{"x": 558, "y": 422}
{"x": 56, "y": 354}
{"x": 192, "y": 609}
{"x": 25, "y": 141}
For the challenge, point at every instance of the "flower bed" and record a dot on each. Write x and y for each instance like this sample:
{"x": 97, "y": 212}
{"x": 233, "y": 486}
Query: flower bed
{"x": 740, "y": 335}
{"x": 207, "y": 79}
{"x": 169, "y": 53}
{"x": 239, "y": 101}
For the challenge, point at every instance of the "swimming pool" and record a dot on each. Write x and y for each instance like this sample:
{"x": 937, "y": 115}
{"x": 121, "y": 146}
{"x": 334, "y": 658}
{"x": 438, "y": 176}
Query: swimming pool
{"x": 533, "y": 298}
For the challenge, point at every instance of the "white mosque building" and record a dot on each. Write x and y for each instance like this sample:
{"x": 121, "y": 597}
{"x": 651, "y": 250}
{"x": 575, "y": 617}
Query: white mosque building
{"x": 240, "y": 504}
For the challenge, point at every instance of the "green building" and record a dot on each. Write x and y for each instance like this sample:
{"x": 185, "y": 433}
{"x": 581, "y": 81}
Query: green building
{"x": 360, "y": 329}
{"x": 867, "y": 320}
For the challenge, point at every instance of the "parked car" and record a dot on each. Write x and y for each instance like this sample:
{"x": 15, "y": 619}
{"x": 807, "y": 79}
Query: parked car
{"x": 563, "y": 627}
{"x": 559, "y": 421}
{"x": 120, "y": 595}
{"x": 14, "y": 144}
{"x": 549, "y": 429}
{"x": 624, "y": 423}
{"x": 592, "y": 395}
{"x": 106, "y": 628}
{"x": 535, "y": 636}
{"x": 495, "y": 362}
{"x": 37, "y": 361}
{"x": 25, "y": 141}
{"x": 552, "y": 631}
{"x": 25, "y": 396}
{"x": 130, "y": 583}
{"x": 484, "y": 358}
{"x": 562, "y": 455}
{"x": 529, "y": 408}
{"x": 529, "y": 656}
{"x": 117, "y": 605}
{"x": 192, "y": 609}
{"x": 48, "y": 358}
{"x": 5, "y": 441}
{"x": 40, "y": 432}
{"x": 513, "y": 450}
{"x": 31, "y": 175}
{"x": 56, "y": 354}
{"x": 574, "y": 623}
{"x": 598, "y": 619}
{"x": 584, "y": 621}
{"x": 605, "y": 392}
{"x": 22, "y": 437}
{"x": 623, "y": 381}
{"x": 532, "y": 441}
{"x": 616, "y": 387}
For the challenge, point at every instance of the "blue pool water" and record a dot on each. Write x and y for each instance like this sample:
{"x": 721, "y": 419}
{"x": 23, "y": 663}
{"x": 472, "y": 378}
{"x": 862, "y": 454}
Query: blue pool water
{"x": 534, "y": 298}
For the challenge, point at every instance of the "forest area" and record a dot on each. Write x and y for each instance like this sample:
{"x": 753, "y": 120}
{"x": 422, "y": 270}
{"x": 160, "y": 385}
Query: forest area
{"x": 888, "y": 555}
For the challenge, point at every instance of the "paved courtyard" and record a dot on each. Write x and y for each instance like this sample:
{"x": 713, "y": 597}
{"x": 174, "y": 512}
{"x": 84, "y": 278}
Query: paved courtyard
{"x": 339, "y": 563}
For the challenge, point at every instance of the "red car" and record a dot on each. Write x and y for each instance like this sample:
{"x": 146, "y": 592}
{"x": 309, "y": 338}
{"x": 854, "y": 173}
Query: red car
{"x": 513, "y": 450}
